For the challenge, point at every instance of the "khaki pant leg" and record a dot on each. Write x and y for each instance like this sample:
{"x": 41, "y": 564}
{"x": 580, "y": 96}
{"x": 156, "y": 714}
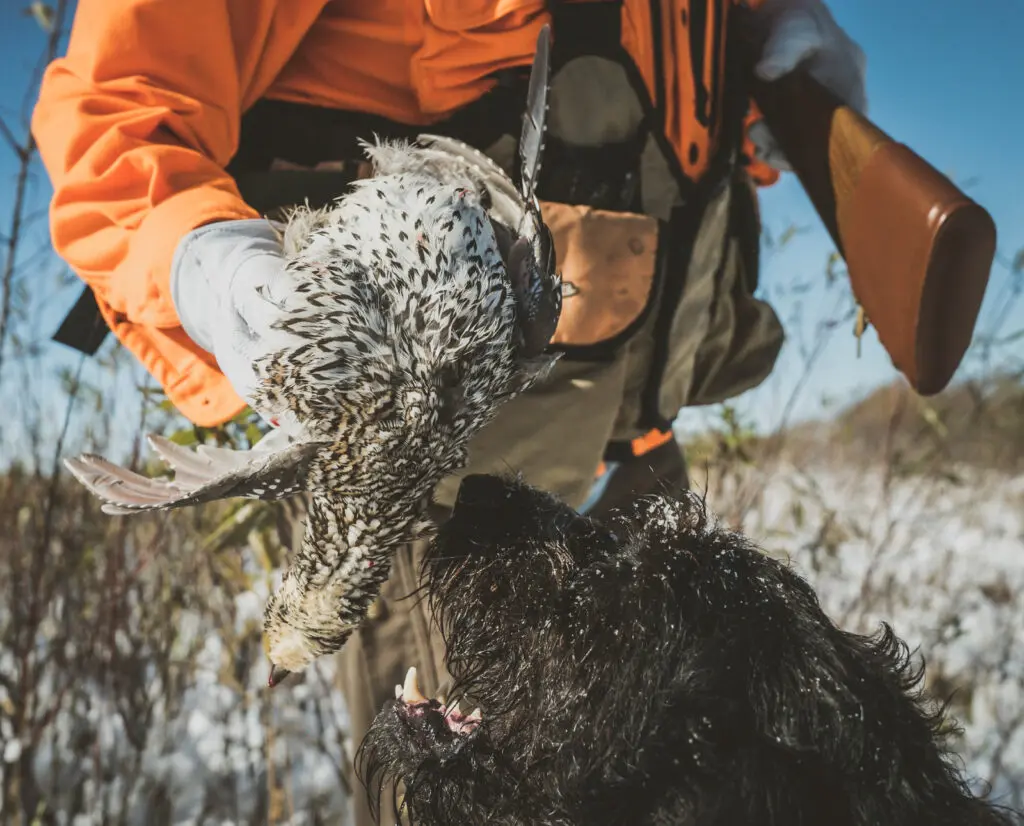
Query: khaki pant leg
{"x": 376, "y": 658}
{"x": 398, "y": 634}
{"x": 554, "y": 435}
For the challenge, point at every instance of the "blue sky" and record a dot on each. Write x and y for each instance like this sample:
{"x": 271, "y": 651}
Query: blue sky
{"x": 944, "y": 76}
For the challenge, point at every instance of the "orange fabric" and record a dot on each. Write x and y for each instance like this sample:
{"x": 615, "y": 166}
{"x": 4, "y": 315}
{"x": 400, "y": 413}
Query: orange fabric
{"x": 640, "y": 445}
{"x": 762, "y": 173}
{"x": 649, "y": 441}
{"x": 135, "y": 125}
{"x": 137, "y": 122}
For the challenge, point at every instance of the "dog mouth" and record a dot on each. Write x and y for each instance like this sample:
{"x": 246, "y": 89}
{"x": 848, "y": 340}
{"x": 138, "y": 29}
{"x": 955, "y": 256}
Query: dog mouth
{"x": 415, "y": 707}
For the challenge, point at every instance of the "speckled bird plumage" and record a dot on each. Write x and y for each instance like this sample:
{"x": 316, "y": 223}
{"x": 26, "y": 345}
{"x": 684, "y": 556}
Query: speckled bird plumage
{"x": 423, "y": 300}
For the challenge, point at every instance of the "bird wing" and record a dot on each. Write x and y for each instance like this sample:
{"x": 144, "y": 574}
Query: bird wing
{"x": 272, "y": 471}
{"x": 531, "y": 140}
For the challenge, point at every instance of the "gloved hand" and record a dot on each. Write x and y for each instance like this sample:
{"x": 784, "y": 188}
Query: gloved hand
{"x": 228, "y": 282}
{"x": 796, "y": 31}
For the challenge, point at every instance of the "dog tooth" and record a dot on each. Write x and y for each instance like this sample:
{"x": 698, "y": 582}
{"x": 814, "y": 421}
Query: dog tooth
{"x": 454, "y": 710}
{"x": 476, "y": 715}
{"x": 411, "y": 691}
{"x": 398, "y": 691}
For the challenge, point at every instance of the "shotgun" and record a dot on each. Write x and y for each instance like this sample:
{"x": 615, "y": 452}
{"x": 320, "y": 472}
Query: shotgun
{"x": 918, "y": 251}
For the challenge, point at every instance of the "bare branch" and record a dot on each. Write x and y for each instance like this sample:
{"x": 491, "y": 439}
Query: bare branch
{"x": 16, "y": 147}
{"x": 26, "y": 154}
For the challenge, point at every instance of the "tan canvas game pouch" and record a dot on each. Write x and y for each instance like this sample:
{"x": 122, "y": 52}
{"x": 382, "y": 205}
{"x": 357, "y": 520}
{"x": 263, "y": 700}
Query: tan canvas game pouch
{"x": 607, "y": 261}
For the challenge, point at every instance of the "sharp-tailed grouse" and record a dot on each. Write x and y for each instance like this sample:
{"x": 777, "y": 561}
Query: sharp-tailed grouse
{"x": 423, "y": 299}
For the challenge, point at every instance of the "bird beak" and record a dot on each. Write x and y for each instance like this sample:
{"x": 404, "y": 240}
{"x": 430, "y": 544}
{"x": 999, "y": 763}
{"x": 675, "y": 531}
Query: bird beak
{"x": 277, "y": 676}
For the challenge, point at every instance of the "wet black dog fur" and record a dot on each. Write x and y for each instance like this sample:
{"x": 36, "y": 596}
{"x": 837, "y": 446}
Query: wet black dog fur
{"x": 656, "y": 669}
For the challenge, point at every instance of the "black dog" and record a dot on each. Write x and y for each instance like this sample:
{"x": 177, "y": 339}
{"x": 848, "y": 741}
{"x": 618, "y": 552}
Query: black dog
{"x": 655, "y": 670}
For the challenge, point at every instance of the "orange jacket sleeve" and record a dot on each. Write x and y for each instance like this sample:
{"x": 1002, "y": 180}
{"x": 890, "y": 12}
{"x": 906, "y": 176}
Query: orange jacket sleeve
{"x": 135, "y": 125}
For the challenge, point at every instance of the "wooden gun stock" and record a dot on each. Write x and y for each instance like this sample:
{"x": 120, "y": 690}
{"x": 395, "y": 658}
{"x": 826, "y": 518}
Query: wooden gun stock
{"x": 918, "y": 250}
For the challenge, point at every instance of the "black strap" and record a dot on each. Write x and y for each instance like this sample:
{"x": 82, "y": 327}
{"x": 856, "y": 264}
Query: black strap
{"x": 83, "y": 328}
{"x": 307, "y": 135}
{"x": 685, "y": 222}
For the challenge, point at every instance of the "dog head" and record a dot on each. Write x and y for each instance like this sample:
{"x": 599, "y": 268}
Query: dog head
{"x": 656, "y": 669}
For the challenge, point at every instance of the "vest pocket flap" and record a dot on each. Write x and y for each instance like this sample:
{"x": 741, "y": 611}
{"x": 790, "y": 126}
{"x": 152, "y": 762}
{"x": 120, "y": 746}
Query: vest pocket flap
{"x": 607, "y": 261}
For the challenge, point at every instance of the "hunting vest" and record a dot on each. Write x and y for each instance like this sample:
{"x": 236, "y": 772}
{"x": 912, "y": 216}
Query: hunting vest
{"x": 644, "y": 185}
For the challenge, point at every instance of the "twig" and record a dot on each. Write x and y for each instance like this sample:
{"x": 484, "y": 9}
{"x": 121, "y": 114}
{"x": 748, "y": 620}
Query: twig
{"x": 12, "y": 141}
{"x": 26, "y": 153}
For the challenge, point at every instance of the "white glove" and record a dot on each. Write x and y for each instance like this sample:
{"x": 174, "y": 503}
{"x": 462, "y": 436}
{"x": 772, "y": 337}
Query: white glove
{"x": 799, "y": 31}
{"x": 228, "y": 284}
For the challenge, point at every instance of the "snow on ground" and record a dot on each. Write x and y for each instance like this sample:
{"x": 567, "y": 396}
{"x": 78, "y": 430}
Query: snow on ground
{"x": 942, "y": 561}
{"x": 211, "y": 757}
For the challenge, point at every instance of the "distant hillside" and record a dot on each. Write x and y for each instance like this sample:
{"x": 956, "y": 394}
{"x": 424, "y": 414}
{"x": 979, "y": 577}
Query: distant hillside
{"x": 976, "y": 423}
{"x": 979, "y": 423}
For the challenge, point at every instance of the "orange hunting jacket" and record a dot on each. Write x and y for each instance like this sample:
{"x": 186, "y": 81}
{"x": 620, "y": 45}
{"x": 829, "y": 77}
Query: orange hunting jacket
{"x": 137, "y": 122}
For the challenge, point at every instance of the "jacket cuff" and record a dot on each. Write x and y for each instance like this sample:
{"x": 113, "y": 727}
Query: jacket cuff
{"x": 143, "y": 279}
